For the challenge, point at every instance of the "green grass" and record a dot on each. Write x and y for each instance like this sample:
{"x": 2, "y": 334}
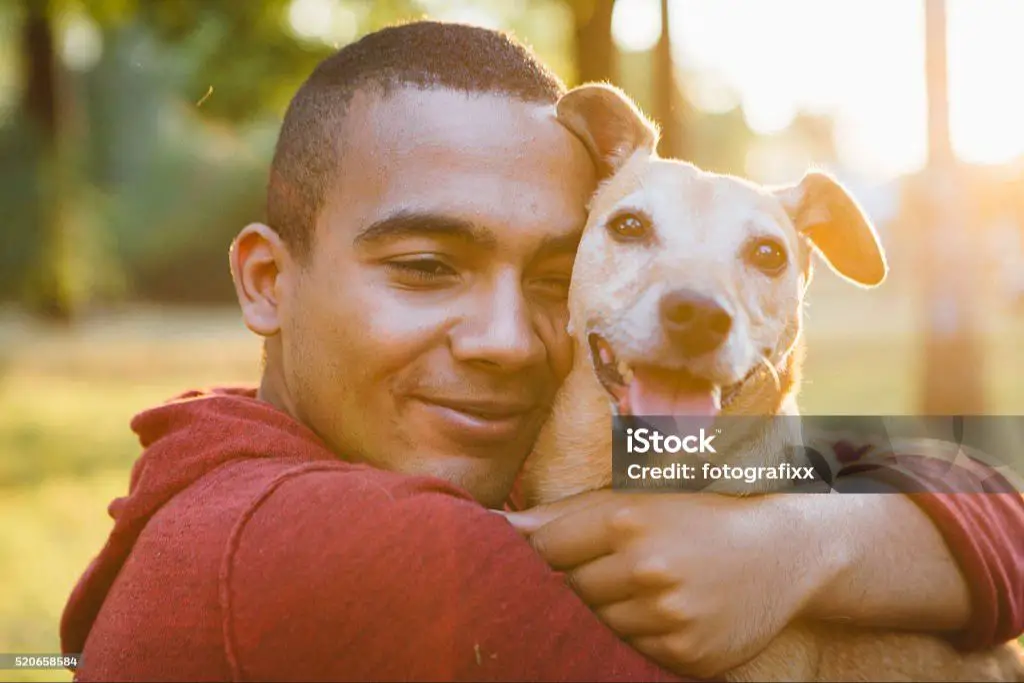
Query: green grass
{"x": 48, "y": 533}
{"x": 66, "y": 399}
{"x": 66, "y": 449}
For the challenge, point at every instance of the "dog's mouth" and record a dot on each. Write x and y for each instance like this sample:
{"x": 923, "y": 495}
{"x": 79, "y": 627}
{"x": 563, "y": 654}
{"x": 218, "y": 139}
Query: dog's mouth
{"x": 650, "y": 390}
{"x": 646, "y": 389}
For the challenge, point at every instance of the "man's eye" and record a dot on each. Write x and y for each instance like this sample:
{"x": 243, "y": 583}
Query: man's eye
{"x": 424, "y": 270}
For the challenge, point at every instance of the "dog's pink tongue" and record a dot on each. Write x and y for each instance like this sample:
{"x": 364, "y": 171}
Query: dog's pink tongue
{"x": 675, "y": 394}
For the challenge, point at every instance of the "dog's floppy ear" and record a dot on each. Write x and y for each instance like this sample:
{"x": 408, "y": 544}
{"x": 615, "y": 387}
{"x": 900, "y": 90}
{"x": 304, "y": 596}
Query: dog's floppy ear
{"x": 834, "y": 223}
{"x": 610, "y": 125}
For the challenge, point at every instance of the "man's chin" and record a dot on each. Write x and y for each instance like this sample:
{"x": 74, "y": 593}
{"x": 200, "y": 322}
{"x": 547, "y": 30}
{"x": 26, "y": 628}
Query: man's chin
{"x": 482, "y": 456}
{"x": 489, "y": 481}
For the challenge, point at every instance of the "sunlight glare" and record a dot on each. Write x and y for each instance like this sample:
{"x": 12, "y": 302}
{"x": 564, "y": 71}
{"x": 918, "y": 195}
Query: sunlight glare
{"x": 636, "y": 24}
{"x": 985, "y": 60}
{"x": 865, "y": 61}
{"x": 81, "y": 46}
{"x": 325, "y": 20}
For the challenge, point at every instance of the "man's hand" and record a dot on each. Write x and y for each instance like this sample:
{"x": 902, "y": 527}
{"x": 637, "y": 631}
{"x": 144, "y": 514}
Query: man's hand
{"x": 699, "y": 582}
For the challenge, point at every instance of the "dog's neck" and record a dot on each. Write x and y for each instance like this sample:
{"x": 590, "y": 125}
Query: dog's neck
{"x": 574, "y": 450}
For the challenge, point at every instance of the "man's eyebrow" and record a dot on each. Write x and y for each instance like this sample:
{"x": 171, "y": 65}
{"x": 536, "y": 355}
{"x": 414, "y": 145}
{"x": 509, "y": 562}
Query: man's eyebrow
{"x": 406, "y": 224}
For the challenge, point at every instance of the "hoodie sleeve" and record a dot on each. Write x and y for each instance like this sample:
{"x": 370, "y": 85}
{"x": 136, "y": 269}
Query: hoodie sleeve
{"x": 346, "y": 576}
{"x": 980, "y": 516}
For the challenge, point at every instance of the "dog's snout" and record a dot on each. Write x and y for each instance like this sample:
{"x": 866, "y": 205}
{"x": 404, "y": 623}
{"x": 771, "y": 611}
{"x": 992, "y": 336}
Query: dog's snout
{"x": 694, "y": 323}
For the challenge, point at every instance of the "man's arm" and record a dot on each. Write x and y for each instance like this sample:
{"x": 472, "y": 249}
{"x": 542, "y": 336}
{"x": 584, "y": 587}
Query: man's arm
{"x": 893, "y": 570}
{"x": 702, "y": 583}
{"x": 936, "y": 558}
{"x": 354, "y": 579}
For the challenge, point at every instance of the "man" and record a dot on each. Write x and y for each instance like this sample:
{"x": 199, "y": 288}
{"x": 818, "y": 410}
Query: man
{"x": 410, "y": 284}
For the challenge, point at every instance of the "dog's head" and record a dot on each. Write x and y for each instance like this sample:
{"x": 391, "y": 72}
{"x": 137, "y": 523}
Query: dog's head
{"x": 687, "y": 282}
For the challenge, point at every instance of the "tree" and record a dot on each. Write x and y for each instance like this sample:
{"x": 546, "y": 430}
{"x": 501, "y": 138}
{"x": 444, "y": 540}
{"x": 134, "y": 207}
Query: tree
{"x": 43, "y": 113}
{"x": 237, "y": 56}
{"x": 595, "y": 49}
{"x": 668, "y": 105}
{"x": 953, "y": 382}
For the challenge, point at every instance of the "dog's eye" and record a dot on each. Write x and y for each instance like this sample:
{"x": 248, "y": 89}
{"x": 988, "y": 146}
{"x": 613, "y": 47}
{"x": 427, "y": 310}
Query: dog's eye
{"x": 768, "y": 256}
{"x": 628, "y": 226}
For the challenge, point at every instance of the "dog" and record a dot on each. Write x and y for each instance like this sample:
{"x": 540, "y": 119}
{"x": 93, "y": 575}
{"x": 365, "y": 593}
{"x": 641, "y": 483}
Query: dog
{"x": 686, "y": 299}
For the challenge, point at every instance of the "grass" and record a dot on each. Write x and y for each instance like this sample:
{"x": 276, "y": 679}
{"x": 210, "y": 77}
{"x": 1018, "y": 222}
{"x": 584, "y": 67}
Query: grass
{"x": 66, "y": 398}
{"x": 66, "y": 449}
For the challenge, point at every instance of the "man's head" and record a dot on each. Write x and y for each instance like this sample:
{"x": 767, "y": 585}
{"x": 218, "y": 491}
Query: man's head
{"x": 423, "y": 212}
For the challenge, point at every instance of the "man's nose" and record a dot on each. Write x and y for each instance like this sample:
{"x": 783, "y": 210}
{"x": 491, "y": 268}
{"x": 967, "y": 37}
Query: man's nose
{"x": 694, "y": 323}
{"x": 500, "y": 332}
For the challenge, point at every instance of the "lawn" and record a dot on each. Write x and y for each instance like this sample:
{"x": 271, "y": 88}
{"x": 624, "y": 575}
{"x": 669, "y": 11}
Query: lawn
{"x": 66, "y": 450}
{"x": 66, "y": 398}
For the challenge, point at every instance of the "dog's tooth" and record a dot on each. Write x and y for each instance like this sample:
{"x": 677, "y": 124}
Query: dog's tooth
{"x": 625, "y": 371}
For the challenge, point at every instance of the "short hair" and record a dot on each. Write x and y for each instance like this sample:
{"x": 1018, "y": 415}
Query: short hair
{"x": 421, "y": 54}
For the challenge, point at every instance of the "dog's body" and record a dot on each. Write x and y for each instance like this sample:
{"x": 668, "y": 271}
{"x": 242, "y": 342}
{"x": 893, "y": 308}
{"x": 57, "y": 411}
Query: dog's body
{"x": 686, "y": 299}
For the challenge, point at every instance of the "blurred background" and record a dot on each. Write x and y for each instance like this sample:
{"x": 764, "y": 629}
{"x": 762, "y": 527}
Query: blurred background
{"x": 135, "y": 138}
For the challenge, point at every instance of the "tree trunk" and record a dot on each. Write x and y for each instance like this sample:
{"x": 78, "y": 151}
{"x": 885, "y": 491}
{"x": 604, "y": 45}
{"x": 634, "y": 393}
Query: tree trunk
{"x": 668, "y": 105}
{"x": 954, "y": 368}
{"x": 47, "y": 294}
{"x": 595, "y": 49}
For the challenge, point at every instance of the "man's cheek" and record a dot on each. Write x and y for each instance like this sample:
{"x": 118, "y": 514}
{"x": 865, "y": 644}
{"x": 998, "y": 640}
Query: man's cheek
{"x": 399, "y": 322}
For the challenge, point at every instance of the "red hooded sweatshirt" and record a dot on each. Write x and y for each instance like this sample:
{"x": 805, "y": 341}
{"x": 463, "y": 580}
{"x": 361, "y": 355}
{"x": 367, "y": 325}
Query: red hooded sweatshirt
{"x": 246, "y": 550}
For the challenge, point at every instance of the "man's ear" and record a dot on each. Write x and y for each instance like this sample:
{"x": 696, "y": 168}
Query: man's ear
{"x": 834, "y": 223}
{"x": 257, "y": 256}
{"x": 610, "y": 125}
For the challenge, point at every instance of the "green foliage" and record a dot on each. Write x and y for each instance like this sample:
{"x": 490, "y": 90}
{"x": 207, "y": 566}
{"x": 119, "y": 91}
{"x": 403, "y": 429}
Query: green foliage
{"x": 242, "y": 49}
{"x": 173, "y": 226}
{"x": 245, "y": 50}
{"x": 19, "y": 195}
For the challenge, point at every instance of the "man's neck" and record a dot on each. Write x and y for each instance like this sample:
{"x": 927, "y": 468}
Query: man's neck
{"x": 273, "y": 391}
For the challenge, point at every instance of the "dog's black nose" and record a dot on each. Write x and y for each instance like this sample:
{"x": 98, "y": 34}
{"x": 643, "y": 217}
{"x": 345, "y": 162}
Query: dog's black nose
{"x": 694, "y": 323}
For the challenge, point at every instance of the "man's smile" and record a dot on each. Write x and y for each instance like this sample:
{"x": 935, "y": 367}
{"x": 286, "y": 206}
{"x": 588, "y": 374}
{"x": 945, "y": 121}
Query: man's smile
{"x": 481, "y": 420}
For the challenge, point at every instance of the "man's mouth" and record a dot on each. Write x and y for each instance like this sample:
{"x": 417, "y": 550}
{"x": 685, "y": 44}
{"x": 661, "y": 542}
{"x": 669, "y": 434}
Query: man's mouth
{"x": 644, "y": 389}
{"x": 482, "y": 420}
{"x": 487, "y": 409}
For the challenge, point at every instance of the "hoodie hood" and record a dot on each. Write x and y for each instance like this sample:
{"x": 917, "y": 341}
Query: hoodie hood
{"x": 182, "y": 440}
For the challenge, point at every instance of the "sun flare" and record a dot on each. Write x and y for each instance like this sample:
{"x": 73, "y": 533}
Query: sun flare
{"x": 863, "y": 61}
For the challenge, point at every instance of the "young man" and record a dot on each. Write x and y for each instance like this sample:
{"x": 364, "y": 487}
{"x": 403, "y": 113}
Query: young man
{"x": 410, "y": 283}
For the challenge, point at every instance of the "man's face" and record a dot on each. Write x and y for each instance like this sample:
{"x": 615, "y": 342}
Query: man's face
{"x": 426, "y": 332}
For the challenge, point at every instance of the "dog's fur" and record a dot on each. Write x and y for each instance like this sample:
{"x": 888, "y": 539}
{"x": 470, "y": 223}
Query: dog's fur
{"x": 699, "y": 228}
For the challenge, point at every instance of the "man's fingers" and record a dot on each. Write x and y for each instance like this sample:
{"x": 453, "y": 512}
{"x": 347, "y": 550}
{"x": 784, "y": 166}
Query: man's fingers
{"x": 658, "y": 647}
{"x": 604, "y": 581}
{"x": 528, "y": 521}
{"x": 579, "y": 537}
{"x": 646, "y": 615}
{"x": 618, "y": 577}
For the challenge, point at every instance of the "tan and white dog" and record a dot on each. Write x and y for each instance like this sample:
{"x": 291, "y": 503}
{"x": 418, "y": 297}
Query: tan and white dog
{"x": 686, "y": 299}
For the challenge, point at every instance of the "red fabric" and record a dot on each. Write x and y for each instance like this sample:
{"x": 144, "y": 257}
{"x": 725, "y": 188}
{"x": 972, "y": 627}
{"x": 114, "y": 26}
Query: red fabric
{"x": 245, "y": 550}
